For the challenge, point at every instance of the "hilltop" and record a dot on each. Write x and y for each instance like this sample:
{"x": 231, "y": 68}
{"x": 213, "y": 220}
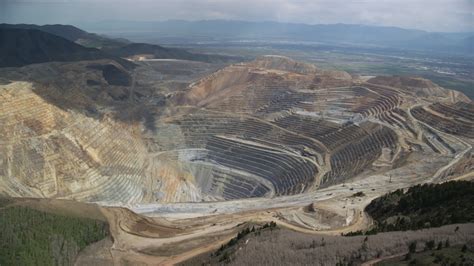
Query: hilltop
{"x": 24, "y": 44}
{"x": 73, "y": 34}
{"x": 19, "y": 47}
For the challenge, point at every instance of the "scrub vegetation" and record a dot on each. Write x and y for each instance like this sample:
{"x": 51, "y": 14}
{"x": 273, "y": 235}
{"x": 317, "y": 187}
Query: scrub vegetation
{"x": 32, "y": 237}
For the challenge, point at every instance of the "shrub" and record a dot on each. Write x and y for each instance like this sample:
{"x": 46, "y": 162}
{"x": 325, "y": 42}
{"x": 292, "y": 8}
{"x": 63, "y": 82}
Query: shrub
{"x": 408, "y": 256}
{"x": 440, "y": 245}
{"x": 429, "y": 245}
{"x": 412, "y": 247}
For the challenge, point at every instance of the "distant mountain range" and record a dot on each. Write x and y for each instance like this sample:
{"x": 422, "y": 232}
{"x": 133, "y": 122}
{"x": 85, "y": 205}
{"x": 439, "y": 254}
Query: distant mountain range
{"x": 23, "y": 44}
{"x": 341, "y": 34}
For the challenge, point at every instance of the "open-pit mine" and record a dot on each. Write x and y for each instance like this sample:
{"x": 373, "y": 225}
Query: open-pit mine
{"x": 179, "y": 156}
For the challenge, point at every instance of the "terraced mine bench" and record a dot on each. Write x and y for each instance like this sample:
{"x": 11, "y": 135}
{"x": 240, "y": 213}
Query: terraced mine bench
{"x": 460, "y": 127}
{"x": 287, "y": 173}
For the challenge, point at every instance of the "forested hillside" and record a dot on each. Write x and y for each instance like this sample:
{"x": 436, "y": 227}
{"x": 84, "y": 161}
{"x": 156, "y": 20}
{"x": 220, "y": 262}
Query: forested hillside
{"x": 424, "y": 206}
{"x": 32, "y": 237}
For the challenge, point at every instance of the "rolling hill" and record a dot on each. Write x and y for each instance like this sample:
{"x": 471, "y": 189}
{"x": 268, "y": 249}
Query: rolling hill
{"x": 73, "y": 34}
{"x": 69, "y": 43}
{"x": 19, "y": 47}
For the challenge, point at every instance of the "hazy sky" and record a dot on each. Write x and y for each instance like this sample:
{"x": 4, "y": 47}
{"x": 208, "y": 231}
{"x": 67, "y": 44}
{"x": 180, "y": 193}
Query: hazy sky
{"x": 432, "y": 15}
